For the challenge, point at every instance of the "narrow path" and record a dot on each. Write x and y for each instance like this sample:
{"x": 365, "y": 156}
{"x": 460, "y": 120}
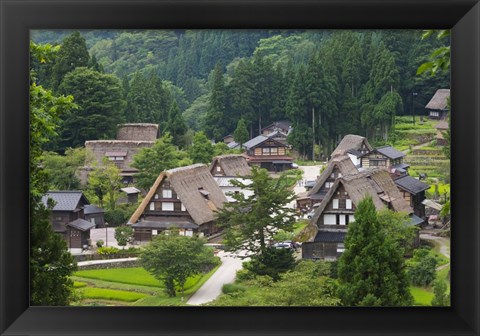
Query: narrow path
{"x": 419, "y": 146}
{"x": 212, "y": 288}
{"x": 444, "y": 249}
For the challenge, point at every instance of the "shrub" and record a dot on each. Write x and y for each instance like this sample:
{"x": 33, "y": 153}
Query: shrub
{"x": 272, "y": 262}
{"x": 421, "y": 268}
{"x": 441, "y": 297}
{"x": 100, "y": 243}
{"x": 232, "y": 289}
{"x": 107, "y": 250}
{"x": 244, "y": 275}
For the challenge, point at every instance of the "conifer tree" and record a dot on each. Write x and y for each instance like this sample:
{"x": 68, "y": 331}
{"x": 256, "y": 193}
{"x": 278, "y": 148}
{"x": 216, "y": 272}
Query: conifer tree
{"x": 241, "y": 133}
{"x": 176, "y": 125}
{"x": 371, "y": 270}
{"x": 202, "y": 150}
{"x": 214, "y": 123}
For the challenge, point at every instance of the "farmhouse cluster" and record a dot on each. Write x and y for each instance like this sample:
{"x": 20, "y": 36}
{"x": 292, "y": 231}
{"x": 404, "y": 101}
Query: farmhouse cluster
{"x": 187, "y": 198}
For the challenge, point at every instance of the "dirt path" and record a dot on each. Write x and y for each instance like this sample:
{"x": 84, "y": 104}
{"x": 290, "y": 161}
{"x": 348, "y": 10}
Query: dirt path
{"x": 406, "y": 151}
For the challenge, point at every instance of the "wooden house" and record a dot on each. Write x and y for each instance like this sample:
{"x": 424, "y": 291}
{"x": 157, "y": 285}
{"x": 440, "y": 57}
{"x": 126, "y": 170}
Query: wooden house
{"x": 413, "y": 191}
{"x": 385, "y": 157}
{"x": 337, "y": 210}
{"x": 132, "y": 194}
{"x": 230, "y": 165}
{"x": 68, "y": 217}
{"x": 184, "y": 198}
{"x": 337, "y": 167}
{"x": 282, "y": 126}
{"x": 442, "y": 128}
{"x": 268, "y": 153}
{"x": 354, "y": 146}
{"x": 438, "y": 106}
{"x": 94, "y": 215}
{"x": 228, "y": 139}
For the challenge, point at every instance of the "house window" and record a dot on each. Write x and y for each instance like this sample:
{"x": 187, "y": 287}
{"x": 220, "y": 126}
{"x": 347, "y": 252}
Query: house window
{"x": 189, "y": 233}
{"x": 335, "y": 203}
{"x": 348, "y": 204}
{"x": 167, "y": 193}
{"x": 167, "y": 206}
{"x": 339, "y": 174}
{"x": 183, "y": 208}
{"x": 332, "y": 176}
{"x": 342, "y": 220}
{"x": 152, "y": 206}
{"x": 266, "y": 151}
{"x": 156, "y": 196}
{"x": 329, "y": 219}
{"x": 92, "y": 220}
{"x": 328, "y": 185}
{"x": 154, "y": 232}
{"x": 219, "y": 169}
{"x": 351, "y": 218}
{"x": 273, "y": 151}
{"x": 340, "y": 247}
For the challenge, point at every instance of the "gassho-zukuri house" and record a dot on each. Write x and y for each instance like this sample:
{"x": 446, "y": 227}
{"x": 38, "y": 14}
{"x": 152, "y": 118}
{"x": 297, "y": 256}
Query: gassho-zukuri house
{"x": 226, "y": 168}
{"x": 184, "y": 198}
{"x": 336, "y": 211}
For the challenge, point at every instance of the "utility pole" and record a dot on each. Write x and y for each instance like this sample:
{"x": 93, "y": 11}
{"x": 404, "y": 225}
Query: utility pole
{"x": 414, "y": 94}
{"x": 313, "y": 135}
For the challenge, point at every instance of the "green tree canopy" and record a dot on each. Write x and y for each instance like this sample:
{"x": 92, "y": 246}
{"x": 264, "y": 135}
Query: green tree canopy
{"x": 371, "y": 270}
{"x": 124, "y": 235}
{"x": 62, "y": 169}
{"x": 173, "y": 258}
{"x": 104, "y": 183}
{"x": 202, "y": 149}
{"x": 101, "y": 106}
{"x": 176, "y": 125}
{"x": 163, "y": 155}
{"x": 241, "y": 132}
{"x": 250, "y": 221}
{"x": 72, "y": 54}
{"x": 50, "y": 263}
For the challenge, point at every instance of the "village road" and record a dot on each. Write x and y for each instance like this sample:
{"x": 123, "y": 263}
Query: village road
{"x": 213, "y": 287}
{"x": 310, "y": 173}
{"x": 444, "y": 246}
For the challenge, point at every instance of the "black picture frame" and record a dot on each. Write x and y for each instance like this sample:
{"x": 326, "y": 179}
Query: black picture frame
{"x": 17, "y": 17}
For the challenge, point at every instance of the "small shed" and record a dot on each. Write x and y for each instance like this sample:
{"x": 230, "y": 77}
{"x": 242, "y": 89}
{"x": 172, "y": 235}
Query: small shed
{"x": 132, "y": 194}
{"x": 438, "y": 106}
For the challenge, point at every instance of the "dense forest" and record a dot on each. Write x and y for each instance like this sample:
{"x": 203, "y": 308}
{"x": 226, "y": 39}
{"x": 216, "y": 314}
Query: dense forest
{"x": 327, "y": 83}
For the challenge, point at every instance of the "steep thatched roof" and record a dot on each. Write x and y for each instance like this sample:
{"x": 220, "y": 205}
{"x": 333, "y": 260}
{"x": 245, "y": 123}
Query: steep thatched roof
{"x": 439, "y": 100}
{"x": 344, "y": 164}
{"x": 375, "y": 183}
{"x": 188, "y": 182}
{"x": 350, "y": 141}
{"x": 232, "y": 165}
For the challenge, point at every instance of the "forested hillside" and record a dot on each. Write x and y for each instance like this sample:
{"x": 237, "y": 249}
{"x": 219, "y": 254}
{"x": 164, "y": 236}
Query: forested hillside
{"x": 327, "y": 83}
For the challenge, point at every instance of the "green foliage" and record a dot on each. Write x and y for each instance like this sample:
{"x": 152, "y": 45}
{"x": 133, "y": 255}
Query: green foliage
{"x": 120, "y": 214}
{"x": 124, "y": 235}
{"x": 214, "y": 123}
{"x": 50, "y": 262}
{"x": 172, "y": 259}
{"x": 439, "y": 59}
{"x": 272, "y": 262}
{"x": 233, "y": 289}
{"x": 397, "y": 226}
{"x": 441, "y": 298}
{"x": 241, "y": 133}
{"x": 132, "y": 276}
{"x": 371, "y": 270}
{"x": 421, "y": 268}
{"x": 101, "y": 106}
{"x": 150, "y": 162}
{"x": 61, "y": 170}
{"x": 176, "y": 125}
{"x": 202, "y": 150}
{"x": 100, "y": 243}
{"x": 104, "y": 182}
{"x": 73, "y": 53}
{"x": 107, "y": 250}
{"x": 250, "y": 221}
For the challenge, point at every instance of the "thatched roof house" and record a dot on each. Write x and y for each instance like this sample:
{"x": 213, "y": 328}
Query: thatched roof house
{"x": 332, "y": 217}
{"x": 438, "y": 105}
{"x": 338, "y": 166}
{"x": 352, "y": 145}
{"x": 188, "y": 196}
{"x": 230, "y": 165}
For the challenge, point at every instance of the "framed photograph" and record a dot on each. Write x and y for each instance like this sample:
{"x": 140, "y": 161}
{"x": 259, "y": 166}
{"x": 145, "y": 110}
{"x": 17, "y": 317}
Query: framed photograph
{"x": 20, "y": 19}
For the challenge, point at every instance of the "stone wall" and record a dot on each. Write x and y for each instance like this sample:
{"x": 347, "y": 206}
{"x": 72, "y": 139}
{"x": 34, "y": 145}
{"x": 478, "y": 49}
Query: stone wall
{"x": 137, "y": 132}
{"x": 100, "y": 147}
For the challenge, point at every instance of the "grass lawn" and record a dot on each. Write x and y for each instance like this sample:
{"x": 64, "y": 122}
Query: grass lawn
{"x": 110, "y": 294}
{"x": 134, "y": 276}
{"x": 422, "y": 296}
{"x": 109, "y": 287}
{"x": 442, "y": 188}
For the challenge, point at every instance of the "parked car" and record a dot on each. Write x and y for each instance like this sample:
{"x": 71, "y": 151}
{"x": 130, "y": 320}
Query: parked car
{"x": 286, "y": 244}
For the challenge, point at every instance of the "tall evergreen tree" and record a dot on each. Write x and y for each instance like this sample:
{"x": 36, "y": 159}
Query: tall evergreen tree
{"x": 214, "y": 119}
{"x": 176, "y": 125}
{"x": 202, "y": 150}
{"x": 72, "y": 54}
{"x": 371, "y": 270}
{"x": 241, "y": 133}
